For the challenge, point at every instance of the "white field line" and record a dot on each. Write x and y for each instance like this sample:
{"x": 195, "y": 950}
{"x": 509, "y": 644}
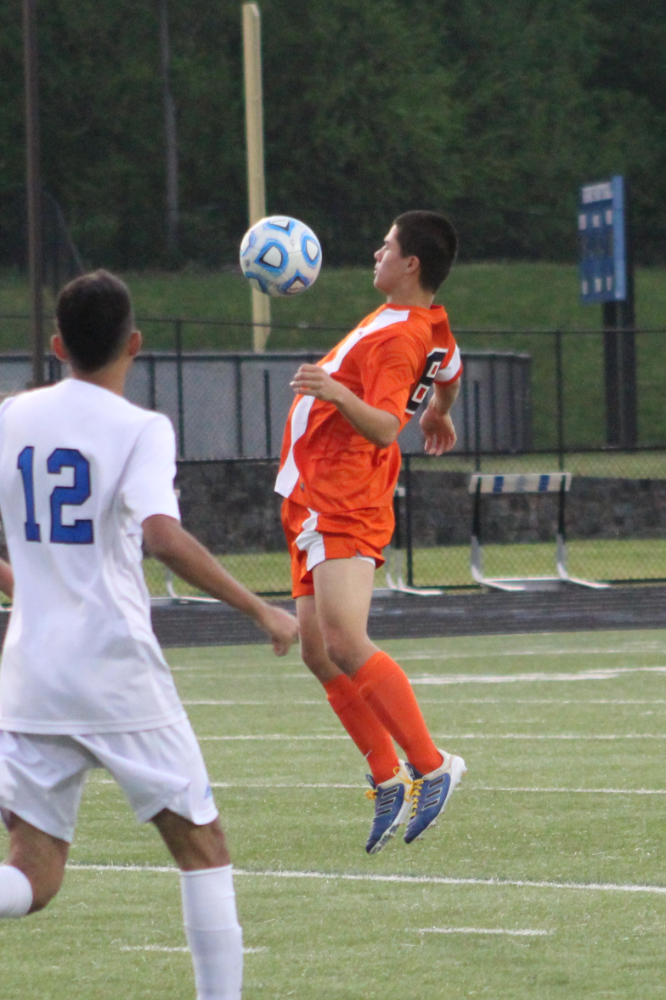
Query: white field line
{"x": 627, "y": 650}
{"x": 259, "y": 784}
{"x": 182, "y": 948}
{"x": 599, "y": 674}
{"x": 444, "y": 654}
{"x": 477, "y": 930}
{"x": 602, "y": 674}
{"x": 270, "y": 701}
{"x": 542, "y": 701}
{"x": 271, "y": 737}
{"x": 268, "y": 785}
{"x": 490, "y": 883}
{"x": 449, "y": 701}
{"x": 569, "y": 791}
{"x": 284, "y": 737}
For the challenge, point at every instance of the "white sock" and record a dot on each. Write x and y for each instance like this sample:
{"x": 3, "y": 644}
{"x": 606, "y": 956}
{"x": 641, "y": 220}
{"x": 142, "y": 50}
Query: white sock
{"x": 213, "y": 932}
{"x": 15, "y": 892}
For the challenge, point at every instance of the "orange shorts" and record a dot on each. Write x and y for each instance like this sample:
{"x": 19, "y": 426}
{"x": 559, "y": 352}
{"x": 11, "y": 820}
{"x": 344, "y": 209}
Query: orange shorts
{"x": 312, "y": 538}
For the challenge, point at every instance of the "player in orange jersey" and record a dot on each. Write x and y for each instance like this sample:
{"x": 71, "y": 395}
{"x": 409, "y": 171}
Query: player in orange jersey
{"x": 339, "y": 467}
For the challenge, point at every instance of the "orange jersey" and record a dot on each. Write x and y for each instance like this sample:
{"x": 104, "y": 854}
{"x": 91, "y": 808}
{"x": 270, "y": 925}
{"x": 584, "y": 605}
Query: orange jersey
{"x": 390, "y": 360}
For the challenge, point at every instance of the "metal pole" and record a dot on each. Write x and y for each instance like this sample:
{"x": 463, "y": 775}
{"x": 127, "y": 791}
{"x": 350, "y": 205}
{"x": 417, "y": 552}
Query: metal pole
{"x": 409, "y": 538}
{"x": 619, "y": 321}
{"x": 33, "y": 188}
{"x": 256, "y": 183}
{"x": 629, "y": 401}
{"x": 477, "y": 426}
{"x": 559, "y": 378}
{"x": 179, "y": 387}
{"x": 267, "y": 413}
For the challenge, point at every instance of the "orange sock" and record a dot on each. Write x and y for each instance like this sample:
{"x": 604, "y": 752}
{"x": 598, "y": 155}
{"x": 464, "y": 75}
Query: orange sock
{"x": 387, "y": 690}
{"x": 363, "y": 726}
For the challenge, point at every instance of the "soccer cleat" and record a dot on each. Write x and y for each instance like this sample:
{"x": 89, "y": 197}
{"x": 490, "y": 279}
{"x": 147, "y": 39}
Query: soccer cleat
{"x": 393, "y": 800}
{"x": 430, "y": 794}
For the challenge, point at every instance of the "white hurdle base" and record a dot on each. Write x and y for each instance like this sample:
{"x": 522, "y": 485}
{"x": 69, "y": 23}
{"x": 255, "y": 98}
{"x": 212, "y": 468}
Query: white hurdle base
{"x": 517, "y": 583}
{"x": 395, "y": 575}
{"x": 558, "y": 482}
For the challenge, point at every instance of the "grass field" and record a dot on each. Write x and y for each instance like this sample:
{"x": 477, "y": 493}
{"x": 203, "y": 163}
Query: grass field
{"x": 491, "y": 296}
{"x": 544, "y": 879}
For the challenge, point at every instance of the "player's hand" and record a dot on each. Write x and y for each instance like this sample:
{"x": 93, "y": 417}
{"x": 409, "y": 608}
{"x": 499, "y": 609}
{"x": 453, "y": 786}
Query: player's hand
{"x": 281, "y": 627}
{"x": 438, "y": 430}
{"x": 312, "y": 380}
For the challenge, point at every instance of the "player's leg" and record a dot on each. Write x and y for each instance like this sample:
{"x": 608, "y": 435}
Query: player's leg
{"x": 390, "y": 781}
{"x": 343, "y": 591}
{"x": 163, "y": 774}
{"x": 209, "y": 904}
{"x": 33, "y": 871}
{"x": 41, "y": 783}
{"x": 306, "y": 546}
{"x": 365, "y": 729}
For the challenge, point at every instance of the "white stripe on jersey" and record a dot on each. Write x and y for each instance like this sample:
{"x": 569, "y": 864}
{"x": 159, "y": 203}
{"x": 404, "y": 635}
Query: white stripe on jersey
{"x": 288, "y": 475}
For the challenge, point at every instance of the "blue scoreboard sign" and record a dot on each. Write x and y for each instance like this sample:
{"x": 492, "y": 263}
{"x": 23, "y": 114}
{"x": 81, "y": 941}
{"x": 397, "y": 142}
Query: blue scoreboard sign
{"x": 601, "y": 235}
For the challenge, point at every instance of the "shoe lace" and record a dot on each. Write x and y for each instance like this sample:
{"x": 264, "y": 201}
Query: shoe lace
{"x": 371, "y": 793}
{"x": 417, "y": 788}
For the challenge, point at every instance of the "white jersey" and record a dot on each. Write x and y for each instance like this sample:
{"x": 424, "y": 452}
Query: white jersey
{"x": 80, "y": 470}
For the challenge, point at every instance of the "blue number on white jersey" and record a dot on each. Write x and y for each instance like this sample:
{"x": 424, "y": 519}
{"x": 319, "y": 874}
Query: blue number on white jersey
{"x": 79, "y": 533}
{"x": 25, "y": 460}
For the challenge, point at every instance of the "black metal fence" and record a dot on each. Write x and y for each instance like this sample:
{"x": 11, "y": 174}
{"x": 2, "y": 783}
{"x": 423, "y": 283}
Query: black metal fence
{"x": 532, "y": 400}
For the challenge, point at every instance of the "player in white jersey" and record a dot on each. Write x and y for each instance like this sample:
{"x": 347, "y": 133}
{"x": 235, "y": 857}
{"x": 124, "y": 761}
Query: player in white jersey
{"x": 85, "y": 477}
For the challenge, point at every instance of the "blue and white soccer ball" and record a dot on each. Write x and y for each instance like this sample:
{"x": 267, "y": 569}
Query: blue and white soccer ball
{"x": 280, "y": 256}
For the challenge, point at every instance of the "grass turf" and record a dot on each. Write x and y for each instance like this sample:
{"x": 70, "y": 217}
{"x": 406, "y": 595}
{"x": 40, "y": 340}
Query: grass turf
{"x": 544, "y": 836}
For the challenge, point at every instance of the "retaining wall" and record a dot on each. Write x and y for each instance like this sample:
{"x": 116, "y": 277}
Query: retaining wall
{"x": 231, "y": 507}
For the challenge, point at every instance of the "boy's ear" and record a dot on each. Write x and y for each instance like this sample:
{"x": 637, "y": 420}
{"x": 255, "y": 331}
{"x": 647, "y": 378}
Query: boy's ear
{"x": 134, "y": 343}
{"x": 58, "y": 347}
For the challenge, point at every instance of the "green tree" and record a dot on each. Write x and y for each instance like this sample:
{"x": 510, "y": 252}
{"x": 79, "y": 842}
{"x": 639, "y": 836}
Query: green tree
{"x": 495, "y": 113}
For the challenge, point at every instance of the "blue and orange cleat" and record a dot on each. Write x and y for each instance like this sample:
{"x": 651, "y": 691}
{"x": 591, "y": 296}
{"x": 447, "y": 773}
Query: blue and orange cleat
{"x": 393, "y": 800}
{"x": 430, "y": 794}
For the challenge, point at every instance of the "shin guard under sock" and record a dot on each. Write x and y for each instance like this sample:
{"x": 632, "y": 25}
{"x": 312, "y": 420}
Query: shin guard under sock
{"x": 386, "y": 688}
{"x": 363, "y": 726}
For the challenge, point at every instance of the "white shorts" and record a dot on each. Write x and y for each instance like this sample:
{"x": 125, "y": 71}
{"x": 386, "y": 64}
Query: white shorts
{"x": 42, "y": 776}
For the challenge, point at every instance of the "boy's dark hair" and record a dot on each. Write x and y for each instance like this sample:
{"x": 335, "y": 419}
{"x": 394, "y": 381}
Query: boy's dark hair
{"x": 94, "y": 314}
{"x": 430, "y": 237}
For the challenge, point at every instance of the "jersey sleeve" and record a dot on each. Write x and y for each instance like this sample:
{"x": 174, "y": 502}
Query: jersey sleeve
{"x": 147, "y": 486}
{"x": 451, "y": 366}
{"x": 389, "y": 370}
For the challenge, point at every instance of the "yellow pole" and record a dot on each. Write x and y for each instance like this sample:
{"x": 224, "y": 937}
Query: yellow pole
{"x": 256, "y": 183}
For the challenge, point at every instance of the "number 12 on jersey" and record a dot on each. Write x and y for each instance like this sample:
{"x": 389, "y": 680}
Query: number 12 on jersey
{"x": 79, "y": 533}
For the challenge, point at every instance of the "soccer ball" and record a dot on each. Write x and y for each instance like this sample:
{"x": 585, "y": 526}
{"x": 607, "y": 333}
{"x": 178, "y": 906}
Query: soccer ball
{"x": 280, "y": 256}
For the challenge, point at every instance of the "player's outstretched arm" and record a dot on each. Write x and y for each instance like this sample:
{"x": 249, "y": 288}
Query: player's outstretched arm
{"x": 436, "y": 424}
{"x": 6, "y": 578}
{"x": 167, "y": 540}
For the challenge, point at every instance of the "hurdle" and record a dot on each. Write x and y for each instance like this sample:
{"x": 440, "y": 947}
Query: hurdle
{"x": 541, "y": 483}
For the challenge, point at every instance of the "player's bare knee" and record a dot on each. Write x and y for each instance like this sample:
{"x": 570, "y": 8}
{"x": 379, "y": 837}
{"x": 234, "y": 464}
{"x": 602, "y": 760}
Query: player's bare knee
{"x": 342, "y": 652}
{"x": 193, "y": 846}
{"x": 206, "y": 848}
{"x": 315, "y": 659}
